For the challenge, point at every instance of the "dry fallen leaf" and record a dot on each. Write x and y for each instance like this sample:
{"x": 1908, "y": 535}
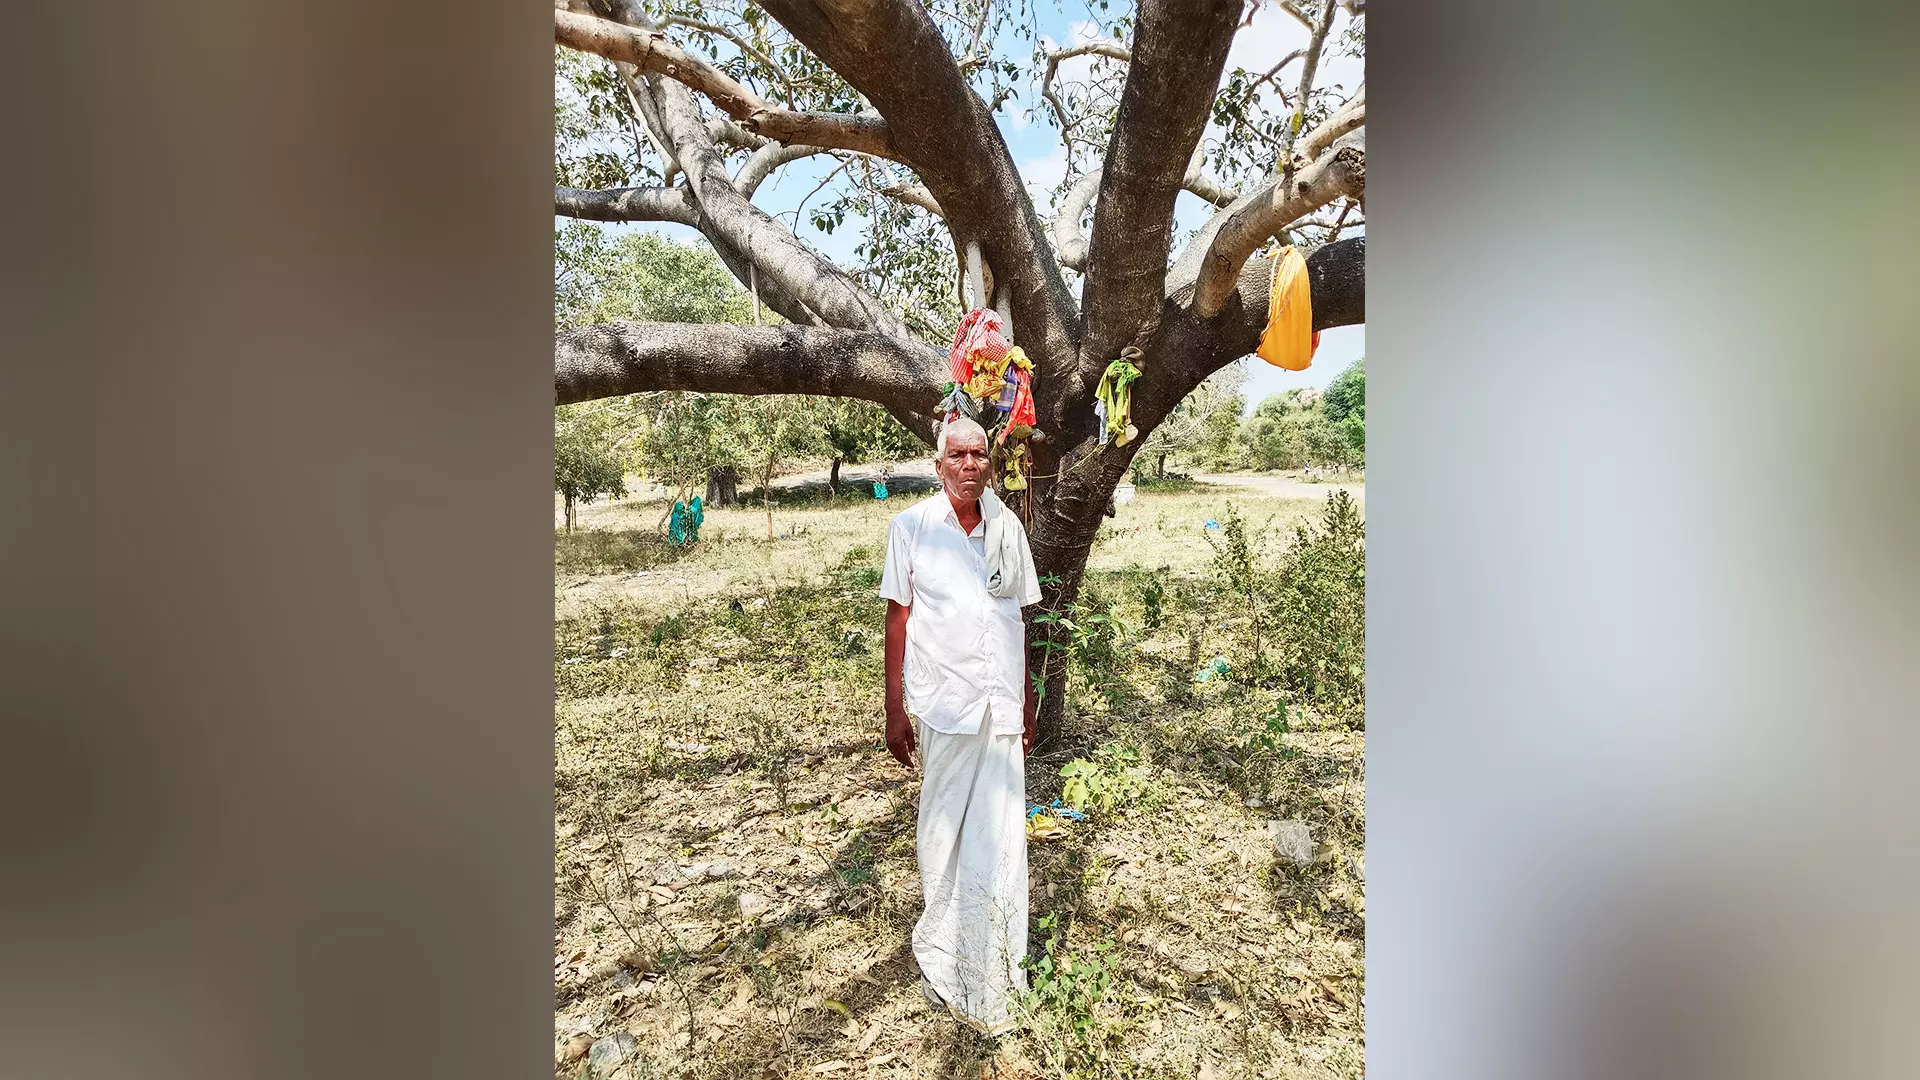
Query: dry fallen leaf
{"x": 575, "y": 1049}
{"x": 832, "y": 1066}
{"x": 866, "y": 1041}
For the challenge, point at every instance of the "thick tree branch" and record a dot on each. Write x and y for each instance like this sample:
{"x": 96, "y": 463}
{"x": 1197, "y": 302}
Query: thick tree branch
{"x": 763, "y": 161}
{"x": 777, "y": 253}
{"x": 652, "y": 51}
{"x": 1264, "y": 211}
{"x": 1197, "y": 181}
{"x": 725, "y": 132}
{"x": 629, "y": 357}
{"x": 1178, "y": 53}
{"x": 1068, "y": 234}
{"x": 913, "y": 195}
{"x": 628, "y": 204}
{"x": 894, "y": 55}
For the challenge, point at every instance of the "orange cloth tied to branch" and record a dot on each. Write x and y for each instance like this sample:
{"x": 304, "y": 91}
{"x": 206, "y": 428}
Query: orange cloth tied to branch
{"x": 1289, "y": 340}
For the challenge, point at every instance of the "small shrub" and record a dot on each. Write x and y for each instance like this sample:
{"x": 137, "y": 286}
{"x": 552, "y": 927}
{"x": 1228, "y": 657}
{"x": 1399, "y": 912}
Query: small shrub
{"x": 1110, "y": 778}
{"x": 1153, "y": 596}
{"x": 1319, "y": 597}
{"x": 1069, "y": 1003}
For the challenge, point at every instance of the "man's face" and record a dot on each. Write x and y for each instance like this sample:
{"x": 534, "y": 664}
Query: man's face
{"x": 963, "y": 467}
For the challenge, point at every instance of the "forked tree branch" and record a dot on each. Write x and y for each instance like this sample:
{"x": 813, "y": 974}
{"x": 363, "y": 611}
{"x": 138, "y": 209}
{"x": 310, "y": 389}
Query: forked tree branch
{"x": 653, "y": 52}
{"x": 893, "y": 54}
{"x": 1234, "y": 234}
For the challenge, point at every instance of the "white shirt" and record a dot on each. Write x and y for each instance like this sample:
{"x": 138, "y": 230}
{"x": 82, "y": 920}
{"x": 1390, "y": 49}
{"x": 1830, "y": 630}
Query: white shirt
{"x": 966, "y": 649}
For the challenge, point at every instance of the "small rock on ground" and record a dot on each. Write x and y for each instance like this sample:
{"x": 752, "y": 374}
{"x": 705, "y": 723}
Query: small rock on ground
{"x": 612, "y": 1050}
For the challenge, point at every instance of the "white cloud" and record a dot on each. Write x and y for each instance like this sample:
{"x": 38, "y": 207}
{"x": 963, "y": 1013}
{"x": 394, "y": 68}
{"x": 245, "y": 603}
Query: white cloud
{"x": 1274, "y": 34}
{"x": 1043, "y": 174}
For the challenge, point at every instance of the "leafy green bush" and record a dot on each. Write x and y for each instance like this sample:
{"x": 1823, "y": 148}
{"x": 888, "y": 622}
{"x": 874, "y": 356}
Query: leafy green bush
{"x": 1305, "y": 610}
{"x": 1319, "y": 608}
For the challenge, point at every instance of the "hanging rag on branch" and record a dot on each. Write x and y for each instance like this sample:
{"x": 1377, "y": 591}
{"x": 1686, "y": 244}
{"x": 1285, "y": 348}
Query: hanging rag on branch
{"x": 1289, "y": 340}
{"x": 990, "y": 373}
{"x": 977, "y": 362}
{"x": 1113, "y": 398}
{"x": 1019, "y": 408}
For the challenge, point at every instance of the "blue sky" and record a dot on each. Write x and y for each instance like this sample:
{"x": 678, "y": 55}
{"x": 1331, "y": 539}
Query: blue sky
{"x": 1036, "y": 148}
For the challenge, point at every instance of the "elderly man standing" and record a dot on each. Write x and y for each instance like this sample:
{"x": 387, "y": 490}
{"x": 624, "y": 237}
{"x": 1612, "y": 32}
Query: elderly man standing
{"x": 958, "y": 571}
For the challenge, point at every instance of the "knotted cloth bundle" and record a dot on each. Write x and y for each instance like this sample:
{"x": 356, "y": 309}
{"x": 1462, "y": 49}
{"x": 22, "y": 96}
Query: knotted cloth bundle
{"x": 1289, "y": 340}
{"x": 979, "y": 345}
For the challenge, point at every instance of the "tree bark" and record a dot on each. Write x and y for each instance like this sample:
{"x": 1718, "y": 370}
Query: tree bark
{"x": 1178, "y": 52}
{"x": 723, "y": 486}
{"x": 766, "y": 495}
{"x": 833, "y": 478}
{"x": 1160, "y": 467}
{"x": 569, "y": 499}
{"x": 617, "y": 358}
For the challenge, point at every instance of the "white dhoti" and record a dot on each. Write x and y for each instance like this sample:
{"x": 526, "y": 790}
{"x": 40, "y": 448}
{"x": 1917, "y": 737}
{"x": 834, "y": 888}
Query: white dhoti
{"x": 972, "y": 842}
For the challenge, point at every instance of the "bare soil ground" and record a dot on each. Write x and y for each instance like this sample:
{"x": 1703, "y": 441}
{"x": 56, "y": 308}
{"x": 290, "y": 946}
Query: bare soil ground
{"x": 733, "y": 857}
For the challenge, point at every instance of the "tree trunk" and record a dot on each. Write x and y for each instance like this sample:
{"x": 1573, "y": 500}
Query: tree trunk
{"x": 766, "y": 495}
{"x": 723, "y": 486}
{"x": 833, "y": 478}
{"x": 569, "y": 499}
{"x": 1160, "y": 467}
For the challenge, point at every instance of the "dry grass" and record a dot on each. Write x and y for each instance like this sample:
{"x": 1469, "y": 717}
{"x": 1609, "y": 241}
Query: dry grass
{"x": 723, "y": 704}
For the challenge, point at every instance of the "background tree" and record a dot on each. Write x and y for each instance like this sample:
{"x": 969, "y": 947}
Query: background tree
{"x": 1346, "y": 404}
{"x": 908, "y": 100}
{"x": 1195, "y": 424}
{"x": 855, "y": 431}
{"x": 587, "y": 463}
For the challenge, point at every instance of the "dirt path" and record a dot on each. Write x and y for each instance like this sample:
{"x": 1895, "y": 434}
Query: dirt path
{"x": 1285, "y": 486}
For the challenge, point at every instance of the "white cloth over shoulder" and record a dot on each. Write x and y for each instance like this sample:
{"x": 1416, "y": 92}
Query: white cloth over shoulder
{"x": 1010, "y": 570}
{"x": 972, "y": 844}
{"x": 966, "y": 647}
